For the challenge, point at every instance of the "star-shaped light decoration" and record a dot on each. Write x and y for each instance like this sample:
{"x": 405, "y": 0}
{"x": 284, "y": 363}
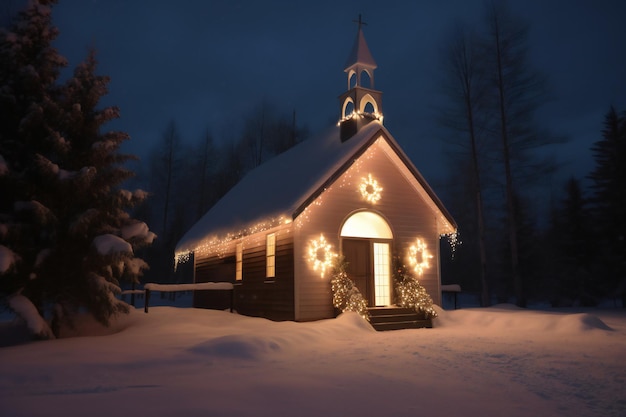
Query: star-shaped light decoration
{"x": 370, "y": 190}
{"x": 321, "y": 255}
{"x": 419, "y": 257}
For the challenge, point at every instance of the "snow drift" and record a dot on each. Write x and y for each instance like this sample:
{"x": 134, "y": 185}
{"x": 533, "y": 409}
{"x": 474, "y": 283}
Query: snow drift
{"x": 475, "y": 362}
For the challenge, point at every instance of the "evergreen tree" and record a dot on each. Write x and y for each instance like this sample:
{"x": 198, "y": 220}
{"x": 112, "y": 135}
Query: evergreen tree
{"x": 65, "y": 217}
{"x": 575, "y": 255}
{"x": 609, "y": 199}
{"x": 84, "y": 268}
{"x": 517, "y": 92}
{"x": 409, "y": 292}
{"x": 464, "y": 85}
{"x": 29, "y": 68}
{"x": 346, "y": 296}
{"x": 492, "y": 95}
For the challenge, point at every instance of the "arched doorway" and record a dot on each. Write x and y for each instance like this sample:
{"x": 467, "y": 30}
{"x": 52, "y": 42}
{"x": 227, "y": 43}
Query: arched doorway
{"x": 366, "y": 246}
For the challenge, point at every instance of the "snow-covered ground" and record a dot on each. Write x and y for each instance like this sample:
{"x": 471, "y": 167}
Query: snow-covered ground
{"x": 500, "y": 361}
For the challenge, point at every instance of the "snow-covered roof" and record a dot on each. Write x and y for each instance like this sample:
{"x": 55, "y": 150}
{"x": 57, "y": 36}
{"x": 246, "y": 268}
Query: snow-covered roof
{"x": 277, "y": 191}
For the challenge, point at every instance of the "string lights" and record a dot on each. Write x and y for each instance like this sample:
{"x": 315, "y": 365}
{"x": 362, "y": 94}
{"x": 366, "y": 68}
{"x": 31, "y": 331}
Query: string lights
{"x": 346, "y": 180}
{"x": 346, "y": 296}
{"x": 321, "y": 255}
{"x": 359, "y": 114}
{"x": 453, "y": 240}
{"x": 419, "y": 256}
{"x": 221, "y": 246}
{"x": 370, "y": 190}
{"x": 410, "y": 293}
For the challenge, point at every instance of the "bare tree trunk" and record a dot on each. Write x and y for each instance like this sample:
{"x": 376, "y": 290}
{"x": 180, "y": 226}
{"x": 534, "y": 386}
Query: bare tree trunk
{"x": 468, "y": 91}
{"x": 510, "y": 193}
{"x": 469, "y": 104}
{"x": 484, "y": 295}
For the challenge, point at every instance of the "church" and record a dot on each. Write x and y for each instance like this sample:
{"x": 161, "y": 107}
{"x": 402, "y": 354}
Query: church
{"x": 349, "y": 192}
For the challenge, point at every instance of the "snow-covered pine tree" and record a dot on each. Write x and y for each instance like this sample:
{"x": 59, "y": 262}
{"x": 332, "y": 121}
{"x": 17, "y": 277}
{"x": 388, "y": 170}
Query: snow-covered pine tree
{"x": 64, "y": 222}
{"x": 29, "y": 68}
{"x": 96, "y": 237}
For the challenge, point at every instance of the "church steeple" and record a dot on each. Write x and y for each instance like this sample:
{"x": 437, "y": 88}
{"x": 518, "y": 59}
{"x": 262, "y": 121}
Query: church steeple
{"x": 361, "y": 103}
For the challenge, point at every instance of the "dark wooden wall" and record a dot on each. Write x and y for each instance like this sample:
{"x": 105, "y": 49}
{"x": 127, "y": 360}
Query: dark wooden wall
{"x": 214, "y": 269}
{"x": 255, "y": 295}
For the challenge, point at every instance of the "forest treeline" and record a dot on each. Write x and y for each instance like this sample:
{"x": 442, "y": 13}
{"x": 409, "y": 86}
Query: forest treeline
{"x": 71, "y": 235}
{"x": 520, "y": 242}
{"x": 523, "y": 243}
{"x": 185, "y": 177}
{"x": 67, "y": 239}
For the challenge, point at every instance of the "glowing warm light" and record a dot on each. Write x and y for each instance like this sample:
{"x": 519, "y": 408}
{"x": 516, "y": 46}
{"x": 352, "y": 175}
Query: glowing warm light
{"x": 346, "y": 295}
{"x": 382, "y": 277}
{"x": 224, "y": 245}
{"x": 366, "y": 224}
{"x": 358, "y": 114}
{"x": 411, "y": 294}
{"x": 454, "y": 241}
{"x": 321, "y": 255}
{"x": 347, "y": 180}
{"x": 370, "y": 190}
{"x": 419, "y": 257}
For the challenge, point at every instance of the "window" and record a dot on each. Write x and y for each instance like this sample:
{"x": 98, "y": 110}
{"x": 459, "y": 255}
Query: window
{"x": 382, "y": 278}
{"x": 366, "y": 224}
{"x": 270, "y": 256}
{"x": 239, "y": 262}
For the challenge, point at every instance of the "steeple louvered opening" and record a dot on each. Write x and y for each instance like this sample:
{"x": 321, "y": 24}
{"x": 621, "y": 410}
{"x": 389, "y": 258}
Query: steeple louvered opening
{"x": 361, "y": 103}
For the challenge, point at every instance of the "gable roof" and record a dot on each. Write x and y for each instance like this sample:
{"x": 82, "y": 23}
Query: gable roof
{"x": 280, "y": 189}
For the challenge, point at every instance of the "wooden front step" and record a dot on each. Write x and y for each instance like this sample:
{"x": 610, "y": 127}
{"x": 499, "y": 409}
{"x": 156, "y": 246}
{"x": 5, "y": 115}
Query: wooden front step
{"x": 397, "y": 318}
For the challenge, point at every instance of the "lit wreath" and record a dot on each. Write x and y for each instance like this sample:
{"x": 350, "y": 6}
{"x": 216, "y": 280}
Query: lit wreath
{"x": 419, "y": 257}
{"x": 321, "y": 255}
{"x": 370, "y": 190}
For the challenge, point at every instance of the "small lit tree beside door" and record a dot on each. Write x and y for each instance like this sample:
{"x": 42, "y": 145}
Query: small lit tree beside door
{"x": 346, "y": 296}
{"x": 410, "y": 293}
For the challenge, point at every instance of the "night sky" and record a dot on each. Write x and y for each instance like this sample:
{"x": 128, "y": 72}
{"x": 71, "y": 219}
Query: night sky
{"x": 205, "y": 64}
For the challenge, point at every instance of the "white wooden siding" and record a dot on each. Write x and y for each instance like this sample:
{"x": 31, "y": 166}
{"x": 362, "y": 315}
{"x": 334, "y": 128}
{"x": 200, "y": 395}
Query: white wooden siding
{"x": 407, "y": 209}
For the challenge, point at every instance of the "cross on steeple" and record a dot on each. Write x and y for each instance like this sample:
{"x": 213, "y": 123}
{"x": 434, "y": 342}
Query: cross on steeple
{"x": 360, "y": 22}
{"x": 361, "y": 103}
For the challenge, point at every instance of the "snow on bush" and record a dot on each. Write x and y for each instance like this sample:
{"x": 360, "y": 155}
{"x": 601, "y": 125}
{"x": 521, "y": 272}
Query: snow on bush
{"x": 138, "y": 230}
{"x": 140, "y": 194}
{"x": 41, "y": 212}
{"x": 104, "y": 145}
{"x": 109, "y": 244}
{"x": 65, "y": 175}
{"x": 41, "y": 256}
{"x": 135, "y": 265}
{"x": 125, "y": 194}
{"x": 82, "y": 223}
{"x": 103, "y": 285}
{"x": 109, "y": 289}
{"x": 7, "y": 259}
{"x": 26, "y": 310}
